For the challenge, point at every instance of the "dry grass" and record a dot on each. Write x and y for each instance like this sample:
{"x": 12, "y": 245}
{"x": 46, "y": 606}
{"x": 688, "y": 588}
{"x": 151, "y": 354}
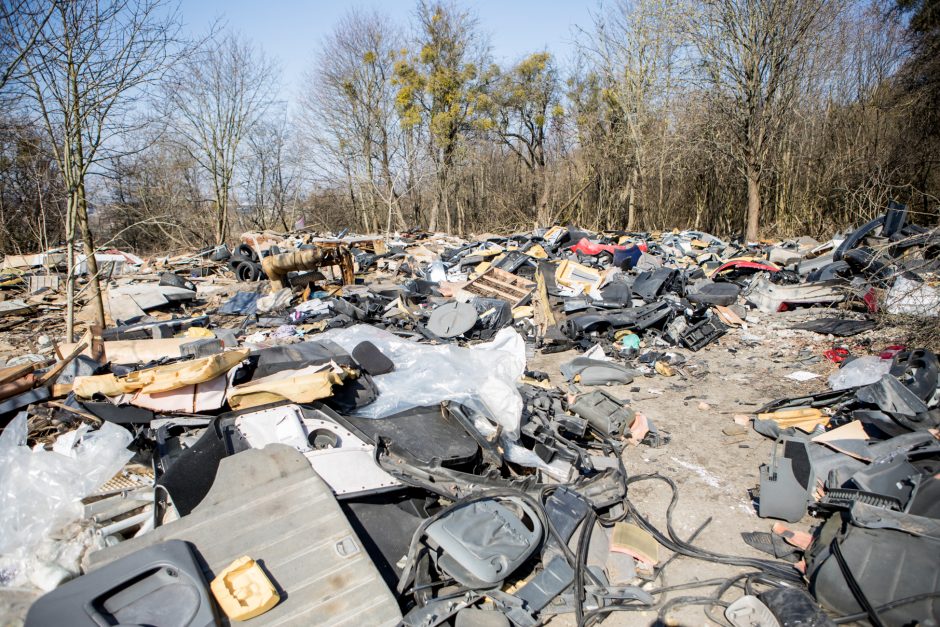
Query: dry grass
{"x": 911, "y": 331}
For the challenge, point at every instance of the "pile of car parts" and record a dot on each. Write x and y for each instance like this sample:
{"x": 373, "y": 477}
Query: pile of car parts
{"x": 871, "y": 469}
{"x": 360, "y": 439}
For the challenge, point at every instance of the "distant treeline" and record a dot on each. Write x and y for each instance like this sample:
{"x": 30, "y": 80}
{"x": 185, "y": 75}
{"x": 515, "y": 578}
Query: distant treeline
{"x": 737, "y": 117}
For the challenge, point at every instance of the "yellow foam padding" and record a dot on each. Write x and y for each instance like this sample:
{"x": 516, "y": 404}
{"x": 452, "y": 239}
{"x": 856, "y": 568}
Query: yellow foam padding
{"x": 243, "y": 591}
{"x": 160, "y": 378}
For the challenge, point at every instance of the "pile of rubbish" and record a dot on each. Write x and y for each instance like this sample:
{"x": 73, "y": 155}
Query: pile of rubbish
{"x": 324, "y": 430}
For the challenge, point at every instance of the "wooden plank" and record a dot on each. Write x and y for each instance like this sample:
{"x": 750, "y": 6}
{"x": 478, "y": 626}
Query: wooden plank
{"x": 503, "y": 284}
{"x": 53, "y": 372}
{"x": 12, "y": 373}
{"x": 500, "y": 285}
{"x": 543, "y": 311}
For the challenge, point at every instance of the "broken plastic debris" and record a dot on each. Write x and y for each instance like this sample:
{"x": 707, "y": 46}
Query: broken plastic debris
{"x": 802, "y": 376}
{"x": 860, "y": 371}
{"x": 630, "y": 539}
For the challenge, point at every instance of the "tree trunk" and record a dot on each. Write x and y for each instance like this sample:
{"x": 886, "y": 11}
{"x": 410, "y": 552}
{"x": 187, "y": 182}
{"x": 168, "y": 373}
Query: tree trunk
{"x": 354, "y": 206}
{"x": 221, "y": 230}
{"x": 544, "y": 216}
{"x": 631, "y": 200}
{"x": 394, "y": 200}
{"x": 435, "y": 206}
{"x": 70, "y": 276}
{"x": 372, "y": 224}
{"x": 411, "y": 186}
{"x": 441, "y": 179}
{"x": 97, "y": 302}
{"x": 445, "y": 200}
{"x": 753, "y": 203}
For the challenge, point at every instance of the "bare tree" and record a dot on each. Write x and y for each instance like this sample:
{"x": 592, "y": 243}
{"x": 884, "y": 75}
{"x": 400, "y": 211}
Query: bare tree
{"x": 31, "y": 211}
{"x": 634, "y": 49}
{"x": 524, "y": 100}
{"x": 149, "y": 200}
{"x": 23, "y": 22}
{"x": 214, "y": 100}
{"x": 271, "y": 177}
{"x": 752, "y": 53}
{"x": 676, "y": 113}
{"x": 350, "y": 107}
{"x": 84, "y": 69}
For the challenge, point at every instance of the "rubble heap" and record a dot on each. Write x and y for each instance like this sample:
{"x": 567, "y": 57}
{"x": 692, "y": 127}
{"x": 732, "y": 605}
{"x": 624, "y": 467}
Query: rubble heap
{"x": 321, "y": 430}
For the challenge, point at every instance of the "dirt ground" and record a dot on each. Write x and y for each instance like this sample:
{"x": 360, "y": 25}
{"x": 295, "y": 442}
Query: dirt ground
{"x": 742, "y": 371}
{"x": 738, "y": 374}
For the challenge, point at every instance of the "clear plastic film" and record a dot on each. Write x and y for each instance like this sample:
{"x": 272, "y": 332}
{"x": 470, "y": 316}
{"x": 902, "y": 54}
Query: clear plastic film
{"x": 859, "y": 371}
{"x": 483, "y": 377}
{"x": 41, "y": 491}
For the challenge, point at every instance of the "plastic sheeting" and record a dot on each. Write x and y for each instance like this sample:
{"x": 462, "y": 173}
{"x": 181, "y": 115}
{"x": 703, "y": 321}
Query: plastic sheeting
{"x": 483, "y": 377}
{"x": 911, "y": 297}
{"x": 41, "y": 491}
{"x": 276, "y": 300}
{"x": 860, "y": 371}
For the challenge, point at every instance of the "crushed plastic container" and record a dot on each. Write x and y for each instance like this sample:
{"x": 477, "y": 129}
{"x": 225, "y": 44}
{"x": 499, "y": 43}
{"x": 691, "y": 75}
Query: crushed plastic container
{"x": 631, "y": 342}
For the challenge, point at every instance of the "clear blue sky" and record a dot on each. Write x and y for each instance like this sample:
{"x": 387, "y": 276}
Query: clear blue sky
{"x": 291, "y": 30}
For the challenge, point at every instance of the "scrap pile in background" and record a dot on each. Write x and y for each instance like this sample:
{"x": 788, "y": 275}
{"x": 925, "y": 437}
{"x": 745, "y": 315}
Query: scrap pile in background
{"x": 312, "y": 430}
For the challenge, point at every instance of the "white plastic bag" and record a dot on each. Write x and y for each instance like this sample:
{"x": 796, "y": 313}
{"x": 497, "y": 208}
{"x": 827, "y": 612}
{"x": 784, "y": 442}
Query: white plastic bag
{"x": 859, "y": 371}
{"x": 482, "y": 377}
{"x": 436, "y": 272}
{"x": 911, "y": 297}
{"x": 275, "y": 301}
{"x": 41, "y": 491}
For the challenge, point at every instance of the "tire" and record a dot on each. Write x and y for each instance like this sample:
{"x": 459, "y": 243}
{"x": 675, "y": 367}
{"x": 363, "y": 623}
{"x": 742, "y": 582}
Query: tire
{"x": 246, "y": 251}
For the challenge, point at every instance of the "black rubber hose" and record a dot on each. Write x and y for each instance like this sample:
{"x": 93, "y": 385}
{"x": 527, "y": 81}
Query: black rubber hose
{"x": 780, "y": 570}
{"x": 851, "y": 618}
{"x": 680, "y": 601}
{"x": 854, "y": 587}
{"x": 592, "y": 615}
{"x": 584, "y": 542}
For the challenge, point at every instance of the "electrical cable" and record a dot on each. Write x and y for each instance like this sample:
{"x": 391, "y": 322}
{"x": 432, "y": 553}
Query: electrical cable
{"x": 680, "y": 601}
{"x": 769, "y": 572}
{"x": 854, "y": 587}
{"x": 584, "y": 541}
{"x": 727, "y": 585}
{"x": 851, "y": 618}
{"x": 692, "y": 537}
{"x": 597, "y": 613}
{"x": 780, "y": 570}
